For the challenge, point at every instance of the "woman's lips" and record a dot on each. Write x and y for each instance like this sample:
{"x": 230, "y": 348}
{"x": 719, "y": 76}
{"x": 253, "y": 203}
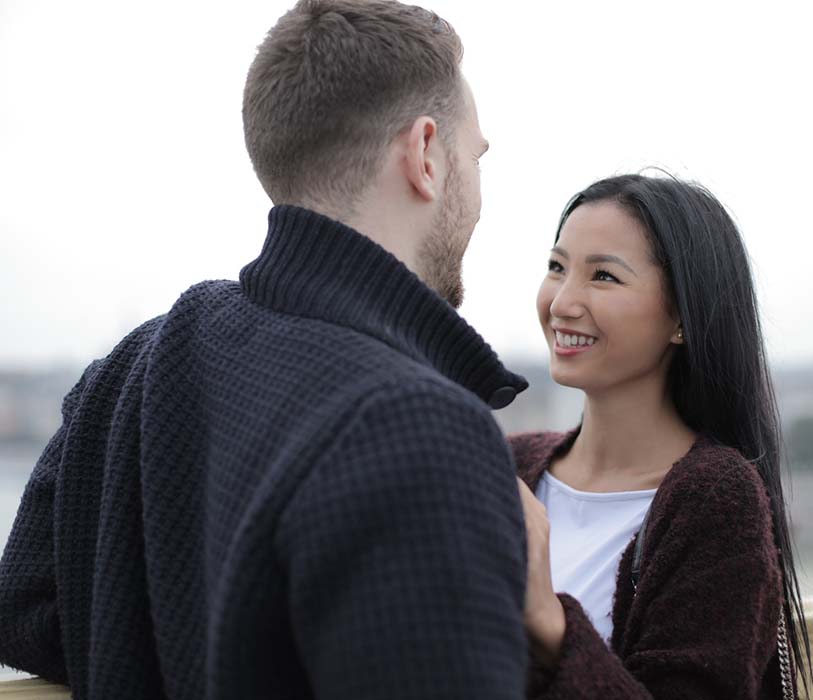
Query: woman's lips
{"x": 572, "y": 343}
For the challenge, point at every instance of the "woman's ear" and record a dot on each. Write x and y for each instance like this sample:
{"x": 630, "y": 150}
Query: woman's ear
{"x": 421, "y": 168}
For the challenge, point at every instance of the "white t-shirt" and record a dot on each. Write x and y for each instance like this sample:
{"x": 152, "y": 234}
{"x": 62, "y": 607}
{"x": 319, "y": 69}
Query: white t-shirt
{"x": 588, "y": 534}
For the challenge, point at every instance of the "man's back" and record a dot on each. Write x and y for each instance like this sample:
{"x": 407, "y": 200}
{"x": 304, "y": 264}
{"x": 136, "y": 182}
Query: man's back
{"x": 284, "y": 488}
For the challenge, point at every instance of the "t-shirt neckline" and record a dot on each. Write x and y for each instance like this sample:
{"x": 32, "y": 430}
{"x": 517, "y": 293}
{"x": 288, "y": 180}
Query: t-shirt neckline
{"x": 597, "y": 495}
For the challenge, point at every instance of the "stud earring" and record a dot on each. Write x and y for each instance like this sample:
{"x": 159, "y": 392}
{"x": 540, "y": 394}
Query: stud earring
{"x": 680, "y": 334}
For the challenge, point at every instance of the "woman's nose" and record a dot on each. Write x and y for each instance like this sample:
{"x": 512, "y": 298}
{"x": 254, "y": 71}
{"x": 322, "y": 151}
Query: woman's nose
{"x": 567, "y": 301}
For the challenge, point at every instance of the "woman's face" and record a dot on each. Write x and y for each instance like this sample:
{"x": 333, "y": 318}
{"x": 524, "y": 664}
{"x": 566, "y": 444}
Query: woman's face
{"x": 602, "y": 304}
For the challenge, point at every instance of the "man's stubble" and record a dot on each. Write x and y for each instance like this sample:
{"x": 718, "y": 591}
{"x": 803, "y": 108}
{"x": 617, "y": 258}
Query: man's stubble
{"x": 441, "y": 254}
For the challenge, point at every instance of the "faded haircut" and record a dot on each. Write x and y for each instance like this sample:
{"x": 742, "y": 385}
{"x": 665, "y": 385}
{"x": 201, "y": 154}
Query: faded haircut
{"x": 331, "y": 86}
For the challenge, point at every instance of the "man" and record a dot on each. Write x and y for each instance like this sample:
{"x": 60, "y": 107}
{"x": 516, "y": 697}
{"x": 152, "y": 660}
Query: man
{"x": 292, "y": 486}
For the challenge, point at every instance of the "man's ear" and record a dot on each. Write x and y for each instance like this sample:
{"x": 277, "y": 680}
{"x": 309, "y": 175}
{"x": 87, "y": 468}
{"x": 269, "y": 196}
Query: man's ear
{"x": 421, "y": 166}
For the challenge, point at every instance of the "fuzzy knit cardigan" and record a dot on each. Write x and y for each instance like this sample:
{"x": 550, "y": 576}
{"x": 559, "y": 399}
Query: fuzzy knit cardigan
{"x": 703, "y": 622}
{"x": 289, "y": 487}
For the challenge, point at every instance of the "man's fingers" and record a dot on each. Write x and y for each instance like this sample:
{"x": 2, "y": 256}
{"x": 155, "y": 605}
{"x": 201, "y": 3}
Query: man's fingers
{"x": 529, "y": 500}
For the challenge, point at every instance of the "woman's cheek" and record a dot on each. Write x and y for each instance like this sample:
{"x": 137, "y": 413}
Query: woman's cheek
{"x": 543, "y": 302}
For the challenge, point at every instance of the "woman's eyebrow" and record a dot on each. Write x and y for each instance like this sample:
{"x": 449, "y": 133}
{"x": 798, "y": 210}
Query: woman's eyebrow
{"x": 595, "y": 258}
{"x": 609, "y": 259}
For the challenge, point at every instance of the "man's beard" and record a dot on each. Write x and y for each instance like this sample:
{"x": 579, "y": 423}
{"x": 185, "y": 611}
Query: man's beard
{"x": 441, "y": 255}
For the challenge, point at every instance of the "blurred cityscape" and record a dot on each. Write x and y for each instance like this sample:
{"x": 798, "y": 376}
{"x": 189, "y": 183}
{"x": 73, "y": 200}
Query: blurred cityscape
{"x": 30, "y": 403}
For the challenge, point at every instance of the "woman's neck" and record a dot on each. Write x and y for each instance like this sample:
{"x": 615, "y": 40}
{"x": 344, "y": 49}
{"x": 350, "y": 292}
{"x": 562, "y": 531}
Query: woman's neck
{"x": 630, "y": 432}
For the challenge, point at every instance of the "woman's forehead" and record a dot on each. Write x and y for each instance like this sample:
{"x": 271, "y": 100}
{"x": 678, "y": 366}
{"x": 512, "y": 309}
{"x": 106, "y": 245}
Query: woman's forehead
{"x": 604, "y": 227}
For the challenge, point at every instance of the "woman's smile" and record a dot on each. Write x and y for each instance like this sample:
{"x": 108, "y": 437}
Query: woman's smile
{"x": 571, "y": 342}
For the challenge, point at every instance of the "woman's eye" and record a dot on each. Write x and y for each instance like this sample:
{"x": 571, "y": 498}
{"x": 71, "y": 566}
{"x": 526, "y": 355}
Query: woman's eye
{"x": 554, "y": 266}
{"x": 604, "y": 276}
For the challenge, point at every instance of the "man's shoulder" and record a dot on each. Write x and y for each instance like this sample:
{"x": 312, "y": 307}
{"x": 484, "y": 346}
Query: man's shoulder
{"x": 134, "y": 347}
{"x": 425, "y": 438}
{"x": 219, "y": 310}
{"x": 420, "y": 402}
{"x": 362, "y": 367}
{"x": 333, "y": 370}
{"x": 190, "y": 303}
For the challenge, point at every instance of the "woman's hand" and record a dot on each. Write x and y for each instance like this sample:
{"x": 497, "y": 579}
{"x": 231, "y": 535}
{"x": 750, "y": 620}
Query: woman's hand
{"x": 544, "y": 614}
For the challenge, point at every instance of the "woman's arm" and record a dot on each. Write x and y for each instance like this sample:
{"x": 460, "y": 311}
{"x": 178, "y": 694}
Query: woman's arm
{"x": 706, "y": 613}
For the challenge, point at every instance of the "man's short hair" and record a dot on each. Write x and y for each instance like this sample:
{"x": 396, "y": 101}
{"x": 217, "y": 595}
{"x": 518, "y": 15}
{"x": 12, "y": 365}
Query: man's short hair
{"x": 333, "y": 83}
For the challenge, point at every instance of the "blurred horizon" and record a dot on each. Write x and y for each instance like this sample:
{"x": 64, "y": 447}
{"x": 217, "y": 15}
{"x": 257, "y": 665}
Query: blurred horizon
{"x": 30, "y": 404}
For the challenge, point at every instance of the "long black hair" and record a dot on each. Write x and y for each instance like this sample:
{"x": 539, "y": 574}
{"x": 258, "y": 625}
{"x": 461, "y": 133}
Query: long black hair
{"x": 719, "y": 379}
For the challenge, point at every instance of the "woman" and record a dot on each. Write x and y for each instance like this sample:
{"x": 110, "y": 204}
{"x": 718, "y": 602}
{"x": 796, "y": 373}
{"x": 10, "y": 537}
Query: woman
{"x": 649, "y": 308}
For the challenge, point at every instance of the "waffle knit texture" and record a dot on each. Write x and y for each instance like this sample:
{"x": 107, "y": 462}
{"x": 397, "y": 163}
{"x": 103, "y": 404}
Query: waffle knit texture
{"x": 286, "y": 487}
{"x": 703, "y": 622}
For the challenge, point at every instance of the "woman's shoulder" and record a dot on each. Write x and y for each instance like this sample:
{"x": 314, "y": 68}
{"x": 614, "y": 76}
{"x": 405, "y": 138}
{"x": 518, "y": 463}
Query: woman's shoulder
{"x": 534, "y": 439}
{"x": 534, "y": 450}
{"x": 535, "y": 445}
{"x": 709, "y": 467}
{"x": 716, "y": 484}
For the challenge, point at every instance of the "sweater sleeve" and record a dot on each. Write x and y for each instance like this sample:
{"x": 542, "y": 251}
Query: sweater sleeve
{"x": 404, "y": 550}
{"x": 706, "y": 611}
{"x": 29, "y": 619}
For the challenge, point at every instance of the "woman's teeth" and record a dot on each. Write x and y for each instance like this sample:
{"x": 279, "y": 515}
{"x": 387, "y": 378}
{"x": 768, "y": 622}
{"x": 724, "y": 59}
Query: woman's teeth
{"x": 569, "y": 341}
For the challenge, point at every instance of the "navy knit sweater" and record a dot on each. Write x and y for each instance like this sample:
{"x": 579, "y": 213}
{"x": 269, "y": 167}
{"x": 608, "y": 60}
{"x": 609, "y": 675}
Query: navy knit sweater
{"x": 286, "y": 487}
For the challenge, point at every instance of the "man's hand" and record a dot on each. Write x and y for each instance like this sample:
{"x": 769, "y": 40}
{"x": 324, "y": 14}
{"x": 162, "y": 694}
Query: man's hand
{"x": 544, "y": 614}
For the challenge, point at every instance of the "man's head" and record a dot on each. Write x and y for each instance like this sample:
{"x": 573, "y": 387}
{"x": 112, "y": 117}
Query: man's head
{"x": 358, "y": 109}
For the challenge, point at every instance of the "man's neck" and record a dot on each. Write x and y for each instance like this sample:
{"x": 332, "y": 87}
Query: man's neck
{"x": 388, "y": 226}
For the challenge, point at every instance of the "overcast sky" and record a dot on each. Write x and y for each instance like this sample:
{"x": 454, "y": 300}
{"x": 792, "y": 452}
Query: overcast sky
{"x": 124, "y": 178}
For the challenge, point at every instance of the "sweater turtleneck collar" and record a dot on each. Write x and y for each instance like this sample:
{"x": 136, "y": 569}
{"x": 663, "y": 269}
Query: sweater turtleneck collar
{"x": 316, "y": 267}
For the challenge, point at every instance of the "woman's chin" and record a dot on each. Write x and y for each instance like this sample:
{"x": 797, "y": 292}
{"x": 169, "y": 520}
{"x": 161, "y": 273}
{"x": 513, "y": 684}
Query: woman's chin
{"x": 566, "y": 376}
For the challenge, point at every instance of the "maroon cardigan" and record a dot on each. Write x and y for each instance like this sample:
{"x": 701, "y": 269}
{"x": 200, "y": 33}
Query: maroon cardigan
{"x": 703, "y": 622}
